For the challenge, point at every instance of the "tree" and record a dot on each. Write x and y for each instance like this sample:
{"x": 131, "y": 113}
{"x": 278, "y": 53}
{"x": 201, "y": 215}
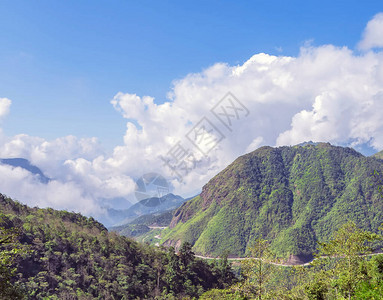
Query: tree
{"x": 224, "y": 272}
{"x": 342, "y": 258}
{"x": 186, "y": 255}
{"x": 258, "y": 269}
{"x": 173, "y": 275}
{"x": 10, "y": 248}
{"x": 215, "y": 294}
{"x": 377, "y": 181}
{"x": 158, "y": 267}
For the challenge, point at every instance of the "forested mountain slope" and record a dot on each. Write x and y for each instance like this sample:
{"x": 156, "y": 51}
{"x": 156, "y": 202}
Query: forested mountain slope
{"x": 292, "y": 196}
{"x": 69, "y": 256}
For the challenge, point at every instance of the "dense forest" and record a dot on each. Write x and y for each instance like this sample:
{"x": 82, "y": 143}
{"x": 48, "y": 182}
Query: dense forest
{"x": 291, "y": 196}
{"x": 49, "y": 254}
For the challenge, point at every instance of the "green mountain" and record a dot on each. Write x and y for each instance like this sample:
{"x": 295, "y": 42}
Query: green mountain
{"x": 291, "y": 196}
{"x": 68, "y": 256}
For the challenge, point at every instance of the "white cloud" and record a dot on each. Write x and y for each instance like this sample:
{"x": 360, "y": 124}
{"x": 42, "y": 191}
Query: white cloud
{"x": 326, "y": 93}
{"x": 5, "y": 104}
{"x": 20, "y": 184}
{"x": 50, "y": 155}
{"x": 373, "y": 34}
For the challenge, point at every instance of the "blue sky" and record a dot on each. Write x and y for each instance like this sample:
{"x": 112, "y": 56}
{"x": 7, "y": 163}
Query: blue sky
{"x": 96, "y": 93}
{"x": 62, "y": 62}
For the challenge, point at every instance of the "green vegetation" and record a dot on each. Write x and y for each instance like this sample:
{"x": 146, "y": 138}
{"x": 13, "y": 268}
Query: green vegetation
{"x": 291, "y": 196}
{"x": 10, "y": 249}
{"x": 377, "y": 181}
{"x": 342, "y": 262}
{"x": 257, "y": 272}
{"x": 49, "y": 254}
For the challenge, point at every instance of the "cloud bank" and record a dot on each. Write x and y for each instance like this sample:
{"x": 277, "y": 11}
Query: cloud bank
{"x": 326, "y": 93}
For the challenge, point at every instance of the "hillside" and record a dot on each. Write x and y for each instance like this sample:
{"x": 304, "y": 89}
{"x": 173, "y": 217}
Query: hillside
{"x": 69, "y": 256}
{"x": 291, "y": 196}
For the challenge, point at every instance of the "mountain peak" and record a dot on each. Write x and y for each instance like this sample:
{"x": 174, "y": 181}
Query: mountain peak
{"x": 308, "y": 143}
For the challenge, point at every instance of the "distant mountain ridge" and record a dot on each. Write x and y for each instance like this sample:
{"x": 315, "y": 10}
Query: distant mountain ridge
{"x": 144, "y": 207}
{"x": 26, "y": 165}
{"x": 292, "y": 196}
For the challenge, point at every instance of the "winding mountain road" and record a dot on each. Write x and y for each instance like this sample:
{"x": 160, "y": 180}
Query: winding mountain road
{"x": 246, "y": 258}
{"x": 276, "y": 263}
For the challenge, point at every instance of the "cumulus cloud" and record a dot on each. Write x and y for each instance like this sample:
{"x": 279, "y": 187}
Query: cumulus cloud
{"x": 325, "y": 93}
{"x": 50, "y": 155}
{"x": 5, "y": 104}
{"x": 373, "y": 34}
